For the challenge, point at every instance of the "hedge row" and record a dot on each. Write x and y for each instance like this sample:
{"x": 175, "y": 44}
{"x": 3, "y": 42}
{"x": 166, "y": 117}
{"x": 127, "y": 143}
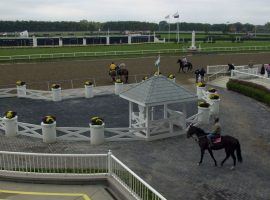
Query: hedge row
{"x": 250, "y": 89}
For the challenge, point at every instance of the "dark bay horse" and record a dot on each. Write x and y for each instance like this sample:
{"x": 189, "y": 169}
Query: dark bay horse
{"x": 188, "y": 65}
{"x": 119, "y": 73}
{"x": 229, "y": 143}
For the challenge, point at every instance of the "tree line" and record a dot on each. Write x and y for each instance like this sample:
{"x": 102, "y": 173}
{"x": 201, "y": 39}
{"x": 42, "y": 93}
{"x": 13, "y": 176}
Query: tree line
{"x": 84, "y": 25}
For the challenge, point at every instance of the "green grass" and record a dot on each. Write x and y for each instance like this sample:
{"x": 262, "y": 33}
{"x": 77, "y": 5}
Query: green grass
{"x": 135, "y": 47}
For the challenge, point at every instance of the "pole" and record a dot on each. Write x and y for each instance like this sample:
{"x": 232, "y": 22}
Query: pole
{"x": 169, "y": 30}
{"x": 178, "y": 38}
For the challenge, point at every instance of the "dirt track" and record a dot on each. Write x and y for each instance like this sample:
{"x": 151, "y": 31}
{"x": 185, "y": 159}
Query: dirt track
{"x": 81, "y": 69}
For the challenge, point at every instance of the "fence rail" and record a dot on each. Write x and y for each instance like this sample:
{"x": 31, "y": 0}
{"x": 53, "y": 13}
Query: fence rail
{"x": 83, "y": 165}
{"x": 123, "y": 53}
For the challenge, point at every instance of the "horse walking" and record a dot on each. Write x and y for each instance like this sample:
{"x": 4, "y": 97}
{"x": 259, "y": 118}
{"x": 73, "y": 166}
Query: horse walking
{"x": 229, "y": 143}
{"x": 119, "y": 72}
{"x": 188, "y": 65}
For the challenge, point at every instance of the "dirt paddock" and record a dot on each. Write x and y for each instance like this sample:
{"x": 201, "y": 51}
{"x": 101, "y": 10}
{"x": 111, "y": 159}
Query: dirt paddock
{"x": 55, "y": 71}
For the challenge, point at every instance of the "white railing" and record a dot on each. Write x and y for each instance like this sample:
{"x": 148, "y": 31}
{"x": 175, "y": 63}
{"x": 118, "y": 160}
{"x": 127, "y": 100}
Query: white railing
{"x": 18, "y": 164}
{"x": 252, "y": 77}
{"x": 132, "y": 182}
{"x": 2, "y": 125}
{"x": 137, "y": 52}
{"x": 8, "y": 92}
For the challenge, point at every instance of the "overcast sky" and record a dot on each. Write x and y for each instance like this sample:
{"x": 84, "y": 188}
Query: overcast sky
{"x": 204, "y": 11}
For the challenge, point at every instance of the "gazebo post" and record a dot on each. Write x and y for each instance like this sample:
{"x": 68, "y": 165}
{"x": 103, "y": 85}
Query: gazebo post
{"x": 130, "y": 113}
{"x": 165, "y": 111}
{"x": 185, "y": 115}
{"x": 147, "y": 123}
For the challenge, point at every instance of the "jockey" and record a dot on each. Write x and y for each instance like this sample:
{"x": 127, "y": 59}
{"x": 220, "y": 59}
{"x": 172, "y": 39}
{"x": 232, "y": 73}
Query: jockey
{"x": 184, "y": 60}
{"x": 216, "y": 131}
{"x": 112, "y": 66}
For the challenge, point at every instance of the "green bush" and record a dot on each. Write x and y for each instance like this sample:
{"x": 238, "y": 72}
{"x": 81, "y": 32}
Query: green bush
{"x": 250, "y": 89}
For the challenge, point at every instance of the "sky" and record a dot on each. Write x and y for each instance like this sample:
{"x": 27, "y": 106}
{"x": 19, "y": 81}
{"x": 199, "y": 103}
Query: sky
{"x": 199, "y": 11}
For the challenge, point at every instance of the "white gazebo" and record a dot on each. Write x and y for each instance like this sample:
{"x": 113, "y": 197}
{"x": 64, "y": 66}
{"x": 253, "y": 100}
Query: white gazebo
{"x": 148, "y": 107}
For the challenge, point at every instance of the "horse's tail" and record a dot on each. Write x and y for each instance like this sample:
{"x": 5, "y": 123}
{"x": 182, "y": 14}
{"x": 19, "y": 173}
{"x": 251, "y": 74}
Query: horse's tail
{"x": 238, "y": 152}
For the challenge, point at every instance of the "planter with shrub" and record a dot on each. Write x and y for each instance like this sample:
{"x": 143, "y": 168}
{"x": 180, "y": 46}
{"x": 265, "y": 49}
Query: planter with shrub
{"x": 200, "y": 89}
{"x": 56, "y": 92}
{"x": 215, "y": 101}
{"x": 97, "y": 130}
{"x": 21, "y": 88}
{"x": 48, "y": 126}
{"x": 172, "y": 77}
{"x": 118, "y": 86}
{"x": 11, "y": 123}
{"x": 203, "y": 112}
{"x": 88, "y": 89}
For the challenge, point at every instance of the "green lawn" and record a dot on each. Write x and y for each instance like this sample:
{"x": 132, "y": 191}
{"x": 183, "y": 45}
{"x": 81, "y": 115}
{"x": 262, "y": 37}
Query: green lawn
{"x": 104, "y": 48}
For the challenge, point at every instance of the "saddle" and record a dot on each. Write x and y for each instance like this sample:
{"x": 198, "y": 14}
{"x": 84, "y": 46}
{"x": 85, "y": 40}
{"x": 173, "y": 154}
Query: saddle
{"x": 216, "y": 139}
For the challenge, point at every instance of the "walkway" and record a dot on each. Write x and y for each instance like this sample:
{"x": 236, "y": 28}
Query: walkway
{"x": 170, "y": 165}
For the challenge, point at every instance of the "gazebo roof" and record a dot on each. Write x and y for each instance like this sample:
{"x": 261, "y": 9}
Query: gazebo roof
{"x": 157, "y": 90}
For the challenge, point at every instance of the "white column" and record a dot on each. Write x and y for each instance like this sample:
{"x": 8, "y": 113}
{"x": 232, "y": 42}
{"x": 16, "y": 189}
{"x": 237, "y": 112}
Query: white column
{"x": 84, "y": 41}
{"x": 56, "y": 94}
{"x": 88, "y": 90}
{"x": 107, "y": 40}
{"x": 118, "y": 88}
{"x": 60, "y": 42}
{"x": 34, "y": 41}
{"x": 129, "y": 39}
{"x": 193, "y": 41}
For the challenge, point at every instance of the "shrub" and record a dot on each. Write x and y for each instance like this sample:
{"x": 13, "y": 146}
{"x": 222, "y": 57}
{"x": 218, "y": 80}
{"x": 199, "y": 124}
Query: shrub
{"x": 157, "y": 73}
{"x": 213, "y": 96}
{"x": 200, "y": 84}
{"x": 119, "y": 80}
{"x": 253, "y": 90}
{"x": 49, "y": 119}
{"x": 20, "y": 83}
{"x": 144, "y": 78}
{"x": 171, "y": 76}
{"x": 212, "y": 90}
{"x": 96, "y": 121}
{"x": 203, "y": 104}
{"x": 88, "y": 83}
{"x": 10, "y": 114}
{"x": 55, "y": 86}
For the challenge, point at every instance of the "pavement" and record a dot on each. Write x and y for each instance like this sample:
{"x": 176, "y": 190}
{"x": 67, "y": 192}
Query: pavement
{"x": 168, "y": 165}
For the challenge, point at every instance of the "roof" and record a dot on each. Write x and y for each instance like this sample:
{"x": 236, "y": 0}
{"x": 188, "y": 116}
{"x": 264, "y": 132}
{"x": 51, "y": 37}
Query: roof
{"x": 157, "y": 90}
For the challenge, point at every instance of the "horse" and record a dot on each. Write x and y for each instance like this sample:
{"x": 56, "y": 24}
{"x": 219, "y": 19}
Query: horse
{"x": 119, "y": 73}
{"x": 188, "y": 65}
{"x": 229, "y": 143}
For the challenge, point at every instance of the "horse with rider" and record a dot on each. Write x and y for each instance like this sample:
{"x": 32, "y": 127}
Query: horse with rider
{"x": 184, "y": 63}
{"x": 118, "y": 72}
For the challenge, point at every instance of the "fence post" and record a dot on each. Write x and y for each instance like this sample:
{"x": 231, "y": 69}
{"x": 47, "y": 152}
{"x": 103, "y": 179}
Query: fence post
{"x": 110, "y": 162}
{"x": 71, "y": 82}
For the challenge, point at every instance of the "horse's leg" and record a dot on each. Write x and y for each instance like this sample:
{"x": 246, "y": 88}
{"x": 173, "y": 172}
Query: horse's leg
{"x": 212, "y": 156}
{"x": 234, "y": 160}
{"x": 227, "y": 156}
{"x": 202, "y": 154}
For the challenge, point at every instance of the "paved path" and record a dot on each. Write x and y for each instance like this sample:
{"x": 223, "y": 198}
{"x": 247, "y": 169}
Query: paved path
{"x": 169, "y": 165}
{"x": 27, "y": 191}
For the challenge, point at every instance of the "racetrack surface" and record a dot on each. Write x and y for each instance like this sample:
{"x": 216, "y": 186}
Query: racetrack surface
{"x": 98, "y": 69}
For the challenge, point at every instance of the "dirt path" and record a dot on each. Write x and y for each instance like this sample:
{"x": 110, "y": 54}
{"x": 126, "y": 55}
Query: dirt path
{"x": 80, "y": 69}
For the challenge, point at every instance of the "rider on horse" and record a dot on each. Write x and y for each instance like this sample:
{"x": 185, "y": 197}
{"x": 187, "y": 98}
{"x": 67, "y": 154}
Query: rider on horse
{"x": 216, "y": 131}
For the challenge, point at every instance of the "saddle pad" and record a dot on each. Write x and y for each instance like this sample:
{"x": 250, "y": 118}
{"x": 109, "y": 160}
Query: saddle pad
{"x": 217, "y": 140}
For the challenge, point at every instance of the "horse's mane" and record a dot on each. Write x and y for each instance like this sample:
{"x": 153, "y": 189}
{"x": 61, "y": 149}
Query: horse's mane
{"x": 200, "y": 131}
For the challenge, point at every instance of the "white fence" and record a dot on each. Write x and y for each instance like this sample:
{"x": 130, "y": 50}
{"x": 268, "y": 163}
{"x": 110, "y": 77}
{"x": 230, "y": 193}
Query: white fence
{"x": 123, "y": 53}
{"x": 17, "y": 164}
{"x": 252, "y": 77}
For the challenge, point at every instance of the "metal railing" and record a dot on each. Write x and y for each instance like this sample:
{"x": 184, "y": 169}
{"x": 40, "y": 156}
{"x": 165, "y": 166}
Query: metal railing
{"x": 89, "y": 165}
{"x": 124, "y": 53}
{"x": 251, "y": 76}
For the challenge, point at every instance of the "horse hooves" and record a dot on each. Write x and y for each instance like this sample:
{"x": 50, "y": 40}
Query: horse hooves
{"x": 232, "y": 168}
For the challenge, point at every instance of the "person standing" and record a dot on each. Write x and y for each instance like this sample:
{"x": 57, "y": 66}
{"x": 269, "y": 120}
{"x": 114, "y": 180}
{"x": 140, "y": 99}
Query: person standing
{"x": 216, "y": 131}
{"x": 268, "y": 70}
{"x": 197, "y": 74}
{"x": 202, "y": 73}
{"x": 262, "y": 72}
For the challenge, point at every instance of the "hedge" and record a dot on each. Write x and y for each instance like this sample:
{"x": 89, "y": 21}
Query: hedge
{"x": 253, "y": 90}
